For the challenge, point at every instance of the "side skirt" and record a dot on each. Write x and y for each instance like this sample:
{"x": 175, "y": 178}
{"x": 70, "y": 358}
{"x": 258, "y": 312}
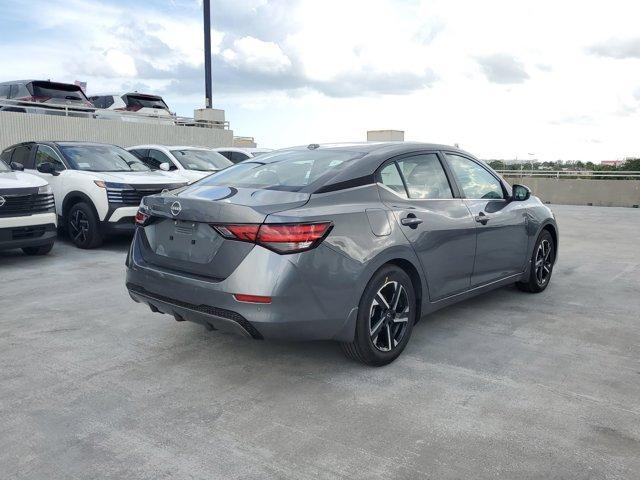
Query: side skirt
{"x": 480, "y": 289}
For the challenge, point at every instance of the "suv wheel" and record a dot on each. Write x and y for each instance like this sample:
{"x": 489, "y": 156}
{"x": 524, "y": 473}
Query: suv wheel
{"x": 542, "y": 260}
{"x": 386, "y": 315}
{"x": 83, "y": 226}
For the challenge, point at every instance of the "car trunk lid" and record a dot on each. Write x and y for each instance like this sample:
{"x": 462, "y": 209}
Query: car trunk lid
{"x": 180, "y": 237}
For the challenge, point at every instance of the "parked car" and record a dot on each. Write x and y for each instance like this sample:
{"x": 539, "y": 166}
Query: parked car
{"x": 193, "y": 163}
{"x": 237, "y": 154}
{"x": 352, "y": 243}
{"x": 97, "y": 187}
{"x": 27, "y": 211}
{"x": 44, "y": 96}
{"x": 132, "y": 107}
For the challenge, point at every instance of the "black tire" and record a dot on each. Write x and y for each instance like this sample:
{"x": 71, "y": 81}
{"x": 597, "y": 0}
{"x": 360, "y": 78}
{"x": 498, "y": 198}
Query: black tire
{"x": 41, "y": 250}
{"x": 83, "y": 226}
{"x": 542, "y": 261}
{"x": 383, "y": 332}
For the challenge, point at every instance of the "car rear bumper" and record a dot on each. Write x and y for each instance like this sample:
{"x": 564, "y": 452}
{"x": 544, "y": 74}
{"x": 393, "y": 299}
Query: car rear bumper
{"x": 299, "y": 309}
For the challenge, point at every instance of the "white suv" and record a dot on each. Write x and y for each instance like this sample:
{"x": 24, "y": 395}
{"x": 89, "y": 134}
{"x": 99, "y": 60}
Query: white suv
{"x": 27, "y": 211}
{"x": 97, "y": 187}
{"x": 192, "y": 163}
{"x": 132, "y": 107}
{"x": 238, "y": 154}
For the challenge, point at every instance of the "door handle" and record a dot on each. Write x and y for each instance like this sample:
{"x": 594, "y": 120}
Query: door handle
{"x": 482, "y": 218}
{"x": 411, "y": 221}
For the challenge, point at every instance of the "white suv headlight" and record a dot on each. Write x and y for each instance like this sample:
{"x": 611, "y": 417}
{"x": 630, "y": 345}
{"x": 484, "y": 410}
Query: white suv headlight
{"x": 45, "y": 190}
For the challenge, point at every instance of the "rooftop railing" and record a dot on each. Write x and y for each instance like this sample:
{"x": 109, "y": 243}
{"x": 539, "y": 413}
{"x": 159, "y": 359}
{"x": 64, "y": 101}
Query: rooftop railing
{"x": 573, "y": 174}
{"x": 80, "y": 111}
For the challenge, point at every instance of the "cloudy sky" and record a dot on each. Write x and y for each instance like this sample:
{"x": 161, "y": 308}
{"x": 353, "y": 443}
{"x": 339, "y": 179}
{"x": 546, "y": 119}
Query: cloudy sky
{"x": 504, "y": 79}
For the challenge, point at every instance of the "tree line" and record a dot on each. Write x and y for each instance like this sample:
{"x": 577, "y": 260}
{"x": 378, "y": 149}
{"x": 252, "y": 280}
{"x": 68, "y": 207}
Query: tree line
{"x": 629, "y": 165}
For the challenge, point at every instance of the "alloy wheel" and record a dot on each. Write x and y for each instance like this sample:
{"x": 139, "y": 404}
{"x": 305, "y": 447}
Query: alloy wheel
{"x": 544, "y": 262}
{"x": 79, "y": 226}
{"x": 389, "y": 316}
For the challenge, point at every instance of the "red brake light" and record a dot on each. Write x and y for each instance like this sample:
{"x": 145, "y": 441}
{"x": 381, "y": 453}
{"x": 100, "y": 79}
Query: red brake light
{"x": 246, "y": 233}
{"x": 282, "y": 238}
{"x": 141, "y": 218}
{"x": 241, "y": 297}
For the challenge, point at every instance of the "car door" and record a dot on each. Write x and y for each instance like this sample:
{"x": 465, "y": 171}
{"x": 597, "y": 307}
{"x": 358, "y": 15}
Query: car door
{"x": 433, "y": 218}
{"x": 501, "y": 224}
{"x": 46, "y": 154}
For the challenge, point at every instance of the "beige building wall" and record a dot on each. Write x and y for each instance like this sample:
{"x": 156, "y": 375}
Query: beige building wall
{"x": 606, "y": 193}
{"x": 385, "y": 136}
{"x": 21, "y": 127}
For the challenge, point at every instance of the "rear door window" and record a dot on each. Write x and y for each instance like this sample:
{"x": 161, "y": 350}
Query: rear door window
{"x": 425, "y": 177}
{"x": 6, "y": 156}
{"x": 390, "y": 178}
{"x": 4, "y": 91}
{"x": 22, "y": 154}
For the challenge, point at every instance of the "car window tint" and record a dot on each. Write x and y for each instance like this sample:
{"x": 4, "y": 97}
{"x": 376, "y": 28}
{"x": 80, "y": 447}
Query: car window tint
{"x": 4, "y": 91}
{"x": 238, "y": 157}
{"x": 46, "y": 154}
{"x": 475, "y": 181}
{"x": 425, "y": 177}
{"x": 390, "y": 177}
{"x": 155, "y": 158}
{"x": 6, "y": 156}
{"x": 22, "y": 154}
{"x": 289, "y": 170}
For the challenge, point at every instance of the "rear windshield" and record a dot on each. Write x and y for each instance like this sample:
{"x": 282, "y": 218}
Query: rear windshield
{"x": 203, "y": 160}
{"x": 290, "y": 170}
{"x": 61, "y": 91}
{"x": 144, "y": 101}
{"x": 4, "y": 167}
{"x": 101, "y": 158}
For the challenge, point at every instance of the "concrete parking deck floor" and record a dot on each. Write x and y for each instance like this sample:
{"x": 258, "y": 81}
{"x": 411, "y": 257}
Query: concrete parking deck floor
{"x": 508, "y": 385}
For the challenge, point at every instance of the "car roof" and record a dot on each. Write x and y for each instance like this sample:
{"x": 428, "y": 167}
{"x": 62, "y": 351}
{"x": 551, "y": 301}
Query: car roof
{"x": 367, "y": 158}
{"x": 170, "y": 147}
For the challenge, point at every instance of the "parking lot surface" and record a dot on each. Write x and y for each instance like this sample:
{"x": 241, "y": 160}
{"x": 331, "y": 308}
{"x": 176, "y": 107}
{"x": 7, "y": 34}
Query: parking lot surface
{"x": 506, "y": 385}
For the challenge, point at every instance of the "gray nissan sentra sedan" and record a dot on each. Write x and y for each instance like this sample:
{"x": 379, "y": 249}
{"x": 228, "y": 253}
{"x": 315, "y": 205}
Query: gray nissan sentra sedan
{"x": 349, "y": 242}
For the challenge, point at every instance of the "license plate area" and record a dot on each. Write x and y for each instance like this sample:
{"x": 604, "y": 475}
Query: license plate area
{"x": 187, "y": 241}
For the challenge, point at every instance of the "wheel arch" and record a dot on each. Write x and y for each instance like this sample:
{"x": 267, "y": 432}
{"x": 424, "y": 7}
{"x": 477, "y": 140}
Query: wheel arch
{"x": 552, "y": 228}
{"x": 406, "y": 259}
{"x": 75, "y": 197}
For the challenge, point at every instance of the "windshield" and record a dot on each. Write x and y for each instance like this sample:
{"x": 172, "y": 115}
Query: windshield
{"x": 288, "y": 170}
{"x": 101, "y": 158}
{"x": 4, "y": 167}
{"x": 202, "y": 160}
{"x": 144, "y": 101}
{"x": 59, "y": 91}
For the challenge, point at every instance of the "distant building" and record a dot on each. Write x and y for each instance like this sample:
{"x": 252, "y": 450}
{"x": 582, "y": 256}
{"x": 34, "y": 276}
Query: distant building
{"x": 385, "y": 136}
{"x": 612, "y": 163}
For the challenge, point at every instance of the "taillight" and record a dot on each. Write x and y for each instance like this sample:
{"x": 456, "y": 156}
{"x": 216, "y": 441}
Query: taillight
{"x": 279, "y": 237}
{"x": 141, "y": 217}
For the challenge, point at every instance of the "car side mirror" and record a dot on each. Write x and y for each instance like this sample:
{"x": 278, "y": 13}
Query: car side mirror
{"x": 521, "y": 193}
{"x": 17, "y": 166}
{"x": 48, "y": 167}
{"x": 165, "y": 166}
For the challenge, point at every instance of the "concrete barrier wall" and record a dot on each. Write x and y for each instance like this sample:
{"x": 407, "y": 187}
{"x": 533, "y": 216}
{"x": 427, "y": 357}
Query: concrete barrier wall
{"x": 606, "y": 193}
{"x": 18, "y": 127}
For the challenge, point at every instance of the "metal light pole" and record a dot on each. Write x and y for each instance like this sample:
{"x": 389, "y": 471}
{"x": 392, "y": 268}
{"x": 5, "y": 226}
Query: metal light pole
{"x": 207, "y": 53}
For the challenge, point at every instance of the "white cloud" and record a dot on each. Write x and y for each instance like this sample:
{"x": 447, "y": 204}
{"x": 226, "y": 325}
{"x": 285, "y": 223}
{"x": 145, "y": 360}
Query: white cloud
{"x": 255, "y": 55}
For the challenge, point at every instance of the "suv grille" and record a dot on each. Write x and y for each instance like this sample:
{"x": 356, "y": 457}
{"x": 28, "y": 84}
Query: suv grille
{"x": 133, "y": 196}
{"x": 23, "y": 205}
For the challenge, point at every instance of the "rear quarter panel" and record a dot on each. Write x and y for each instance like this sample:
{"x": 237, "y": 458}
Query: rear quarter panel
{"x": 338, "y": 270}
